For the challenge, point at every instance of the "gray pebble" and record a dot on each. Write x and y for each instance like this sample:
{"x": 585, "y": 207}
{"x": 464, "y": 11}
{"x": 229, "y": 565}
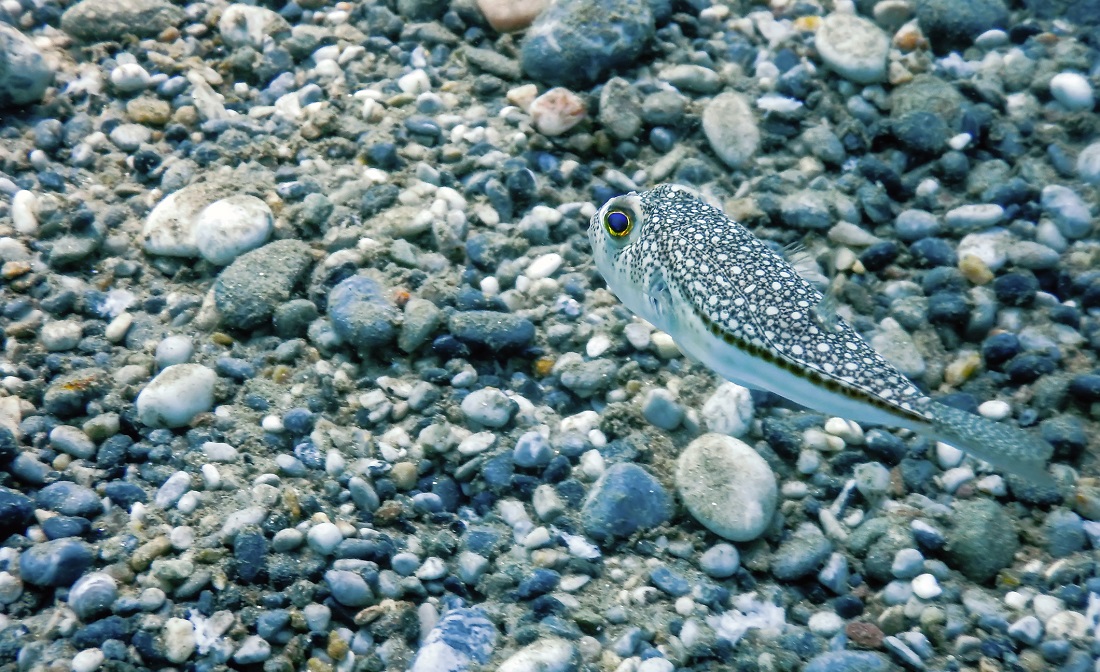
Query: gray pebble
{"x": 248, "y": 290}
{"x": 55, "y": 563}
{"x": 532, "y": 450}
{"x": 70, "y": 499}
{"x": 489, "y": 407}
{"x": 801, "y": 554}
{"x": 348, "y": 588}
{"x": 1068, "y": 210}
{"x": 661, "y": 410}
{"x": 720, "y": 561}
{"x": 73, "y": 441}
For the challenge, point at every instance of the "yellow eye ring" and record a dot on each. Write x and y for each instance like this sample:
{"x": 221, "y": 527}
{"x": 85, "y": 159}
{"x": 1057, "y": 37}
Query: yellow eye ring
{"x": 618, "y": 223}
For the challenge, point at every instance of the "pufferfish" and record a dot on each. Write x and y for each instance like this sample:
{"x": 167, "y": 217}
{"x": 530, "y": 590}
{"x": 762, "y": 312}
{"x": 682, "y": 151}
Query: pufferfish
{"x": 733, "y": 304}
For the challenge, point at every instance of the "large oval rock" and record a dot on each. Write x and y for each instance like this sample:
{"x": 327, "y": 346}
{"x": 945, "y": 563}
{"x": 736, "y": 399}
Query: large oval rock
{"x": 55, "y": 563}
{"x": 727, "y": 487}
{"x": 853, "y": 47}
{"x": 24, "y": 72}
{"x": 176, "y": 396}
{"x": 109, "y": 20}
{"x": 249, "y": 290}
{"x": 982, "y": 540}
{"x": 624, "y": 500}
{"x": 578, "y": 41}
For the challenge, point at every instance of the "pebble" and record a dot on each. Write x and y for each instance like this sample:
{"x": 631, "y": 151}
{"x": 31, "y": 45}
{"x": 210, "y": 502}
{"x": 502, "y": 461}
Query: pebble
{"x": 720, "y": 561}
{"x": 853, "y": 47}
{"x": 60, "y": 335}
{"x": 252, "y": 650}
{"x": 499, "y": 332}
{"x": 109, "y": 20}
{"x": 1027, "y": 630}
{"x": 246, "y": 26}
{"x": 727, "y": 487}
{"x": 73, "y": 441}
{"x": 926, "y": 587}
{"x": 624, "y": 500}
{"x": 229, "y": 227}
{"x": 26, "y": 74}
{"x": 176, "y": 395}
{"x": 578, "y": 41}
{"x": 552, "y": 654}
{"x": 1088, "y": 164}
{"x": 507, "y": 16}
{"x": 660, "y": 409}
{"x": 462, "y": 638}
{"x": 532, "y": 450}
{"x": 361, "y": 315}
{"x": 55, "y": 563}
{"x": 557, "y": 111}
{"x": 1065, "y": 533}
{"x": 179, "y": 640}
{"x": 801, "y": 554}
{"x": 1073, "y": 91}
{"x": 1068, "y": 210}
{"x": 87, "y": 660}
{"x": 729, "y": 410}
{"x": 982, "y": 540}
{"x": 848, "y": 661}
{"x": 489, "y": 407}
{"x": 730, "y": 128}
{"x": 348, "y": 588}
{"x": 93, "y": 594}
{"x": 247, "y": 291}
{"x": 175, "y": 349}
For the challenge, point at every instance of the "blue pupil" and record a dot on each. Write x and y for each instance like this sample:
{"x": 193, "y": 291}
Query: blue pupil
{"x": 618, "y": 222}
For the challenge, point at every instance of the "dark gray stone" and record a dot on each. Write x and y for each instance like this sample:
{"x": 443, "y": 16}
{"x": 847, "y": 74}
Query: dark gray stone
{"x": 250, "y": 289}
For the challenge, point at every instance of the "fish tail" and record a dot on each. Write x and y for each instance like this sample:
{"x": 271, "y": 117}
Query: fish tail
{"x": 1002, "y": 445}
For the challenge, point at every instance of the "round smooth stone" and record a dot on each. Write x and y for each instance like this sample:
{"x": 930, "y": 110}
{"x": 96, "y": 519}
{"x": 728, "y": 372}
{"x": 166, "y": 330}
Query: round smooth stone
{"x": 853, "y": 47}
{"x": 176, "y": 396}
{"x": 1072, "y": 90}
{"x": 727, "y": 487}
{"x": 229, "y": 227}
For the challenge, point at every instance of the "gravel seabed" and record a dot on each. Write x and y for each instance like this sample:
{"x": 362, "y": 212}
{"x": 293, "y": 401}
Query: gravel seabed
{"x": 306, "y": 364}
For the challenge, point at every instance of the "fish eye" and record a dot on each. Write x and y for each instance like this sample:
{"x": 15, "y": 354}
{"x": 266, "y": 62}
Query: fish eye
{"x": 618, "y": 223}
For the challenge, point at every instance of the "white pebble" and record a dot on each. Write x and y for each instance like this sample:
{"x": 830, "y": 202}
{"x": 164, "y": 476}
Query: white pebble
{"x": 664, "y": 345}
{"x": 272, "y": 423}
{"x": 544, "y": 267}
{"x": 324, "y": 538}
{"x": 729, "y": 410}
{"x": 229, "y": 227}
{"x": 211, "y": 478}
{"x": 948, "y": 456}
{"x": 415, "y": 82}
{"x": 597, "y": 345}
{"x": 993, "y": 485}
{"x": 1072, "y": 90}
{"x": 854, "y": 47}
{"x": 24, "y": 212}
{"x": 175, "y": 349}
{"x": 87, "y": 660}
{"x": 129, "y": 77}
{"x": 176, "y": 396}
{"x": 638, "y": 335}
{"x": 926, "y": 587}
{"x": 117, "y": 328}
{"x": 552, "y": 654}
{"x": 954, "y": 478}
{"x": 995, "y": 409}
{"x": 849, "y": 431}
{"x": 825, "y": 623}
{"x": 557, "y": 111}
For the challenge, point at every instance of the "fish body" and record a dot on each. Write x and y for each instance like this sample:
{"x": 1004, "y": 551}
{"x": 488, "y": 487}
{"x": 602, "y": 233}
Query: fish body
{"x": 736, "y": 306}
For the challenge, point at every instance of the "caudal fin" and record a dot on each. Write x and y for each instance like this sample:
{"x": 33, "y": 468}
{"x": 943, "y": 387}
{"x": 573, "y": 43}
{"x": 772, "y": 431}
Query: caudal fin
{"x": 999, "y": 444}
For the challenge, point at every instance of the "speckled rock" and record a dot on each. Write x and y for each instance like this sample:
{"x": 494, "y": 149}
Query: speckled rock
{"x": 24, "y": 72}
{"x": 360, "y": 313}
{"x": 103, "y": 20}
{"x": 248, "y": 290}
{"x": 982, "y": 540}
{"x": 624, "y": 500}
{"x": 727, "y": 487}
{"x": 578, "y": 41}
